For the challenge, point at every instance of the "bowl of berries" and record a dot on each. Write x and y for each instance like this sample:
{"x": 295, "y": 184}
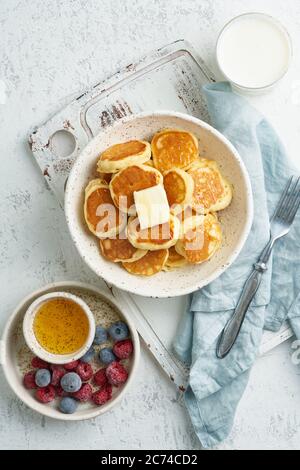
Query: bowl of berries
{"x": 82, "y": 388}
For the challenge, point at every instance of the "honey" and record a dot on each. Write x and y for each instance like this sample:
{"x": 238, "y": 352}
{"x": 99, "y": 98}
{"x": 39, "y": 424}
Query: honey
{"x": 61, "y": 326}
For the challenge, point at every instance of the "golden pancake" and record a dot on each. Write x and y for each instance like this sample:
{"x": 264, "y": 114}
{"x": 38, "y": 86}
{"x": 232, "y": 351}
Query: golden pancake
{"x": 130, "y": 179}
{"x": 153, "y": 238}
{"x": 102, "y": 217}
{"x": 150, "y": 264}
{"x": 118, "y": 156}
{"x": 179, "y": 186}
{"x": 119, "y": 249}
{"x": 173, "y": 148}
{"x": 175, "y": 260}
{"x": 201, "y": 237}
{"x": 211, "y": 191}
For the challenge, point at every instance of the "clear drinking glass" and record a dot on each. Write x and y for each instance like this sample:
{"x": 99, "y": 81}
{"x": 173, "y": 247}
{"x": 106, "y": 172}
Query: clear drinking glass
{"x": 225, "y": 70}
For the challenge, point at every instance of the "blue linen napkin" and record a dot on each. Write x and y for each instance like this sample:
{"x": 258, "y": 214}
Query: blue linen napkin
{"x": 216, "y": 385}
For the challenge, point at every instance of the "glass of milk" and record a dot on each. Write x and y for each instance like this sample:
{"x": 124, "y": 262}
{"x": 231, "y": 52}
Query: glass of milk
{"x": 254, "y": 51}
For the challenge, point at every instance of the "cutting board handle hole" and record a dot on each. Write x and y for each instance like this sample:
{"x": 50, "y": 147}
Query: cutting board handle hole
{"x": 63, "y": 143}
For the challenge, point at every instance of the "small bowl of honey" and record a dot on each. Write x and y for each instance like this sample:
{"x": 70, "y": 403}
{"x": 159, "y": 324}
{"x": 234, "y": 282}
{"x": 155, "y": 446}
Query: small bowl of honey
{"x": 59, "y": 327}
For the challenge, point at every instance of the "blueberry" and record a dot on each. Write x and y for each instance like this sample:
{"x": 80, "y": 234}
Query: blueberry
{"x": 68, "y": 405}
{"x": 100, "y": 335}
{"x": 71, "y": 382}
{"x": 119, "y": 331}
{"x": 42, "y": 377}
{"x": 89, "y": 355}
{"x": 107, "y": 356}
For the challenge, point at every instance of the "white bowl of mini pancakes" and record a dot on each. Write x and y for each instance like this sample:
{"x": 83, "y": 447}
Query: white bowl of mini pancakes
{"x": 92, "y": 172}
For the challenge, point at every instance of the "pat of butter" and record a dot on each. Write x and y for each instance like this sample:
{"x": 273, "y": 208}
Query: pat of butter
{"x": 152, "y": 206}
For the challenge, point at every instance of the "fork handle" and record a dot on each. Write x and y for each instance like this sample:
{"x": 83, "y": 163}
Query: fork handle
{"x": 232, "y": 328}
{"x": 265, "y": 254}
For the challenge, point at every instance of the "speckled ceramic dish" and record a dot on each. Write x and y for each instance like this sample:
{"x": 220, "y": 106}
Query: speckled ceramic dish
{"x": 236, "y": 220}
{"x": 15, "y": 356}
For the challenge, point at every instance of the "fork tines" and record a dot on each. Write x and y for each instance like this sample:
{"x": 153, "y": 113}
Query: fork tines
{"x": 290, "y": 200}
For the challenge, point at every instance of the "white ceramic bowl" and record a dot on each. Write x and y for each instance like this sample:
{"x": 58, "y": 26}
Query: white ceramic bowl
{"x": 12, "y": 352}
{"x": 236, "y": 219}
{"x": 33, "y": 343}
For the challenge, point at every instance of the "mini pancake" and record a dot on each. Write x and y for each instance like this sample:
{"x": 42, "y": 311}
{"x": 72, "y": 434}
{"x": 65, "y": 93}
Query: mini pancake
{"x": 120, "y": 249}
{"x": 173, "y": 148}
{"x": 150, "y": 264}
{"x": 211, "y": 191}
{"x": 153, "y": 238}
{"x": 175, "y": 260}
{"x": 102, "y": 217}
{"x": 201, "y": 238}
{"x": 116, "y": 157}
{"x": 179, "y": 186}
{"x": 130, "y": 179}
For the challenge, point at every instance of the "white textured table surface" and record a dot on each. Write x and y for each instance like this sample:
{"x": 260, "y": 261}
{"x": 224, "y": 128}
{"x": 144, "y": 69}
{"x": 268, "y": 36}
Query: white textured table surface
{"x": 48, "y": 51}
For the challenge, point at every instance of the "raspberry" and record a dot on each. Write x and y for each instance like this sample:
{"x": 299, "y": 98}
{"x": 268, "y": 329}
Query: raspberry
{"x": 103, "y": 395}
{"x": 85, "y": 371}
{"x": 45, "y": 394}
{"x": 29, "y": 380}
{"x": 100, "y": 377}
{"x": 116, "y": 374}
{"x": 39, "y": 363}
{"x": 55, "y": 366}
{"x": 57, "y": 374}
{"x": 84, "y": 394}
{"x": 60, "y": 391}
{"x": 123, "y": 349}
{"x": 71, "y": 365}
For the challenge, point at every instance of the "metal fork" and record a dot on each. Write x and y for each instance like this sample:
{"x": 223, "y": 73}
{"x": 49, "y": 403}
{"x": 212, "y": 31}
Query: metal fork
{"x": 280, "y": 225}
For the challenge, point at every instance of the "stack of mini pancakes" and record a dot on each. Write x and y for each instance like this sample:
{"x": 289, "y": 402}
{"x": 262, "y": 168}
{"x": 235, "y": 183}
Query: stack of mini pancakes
{"x": 195, "y": 190}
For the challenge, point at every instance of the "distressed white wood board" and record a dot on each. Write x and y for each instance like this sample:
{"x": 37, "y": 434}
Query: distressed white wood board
{"x": 169, "y": 78}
